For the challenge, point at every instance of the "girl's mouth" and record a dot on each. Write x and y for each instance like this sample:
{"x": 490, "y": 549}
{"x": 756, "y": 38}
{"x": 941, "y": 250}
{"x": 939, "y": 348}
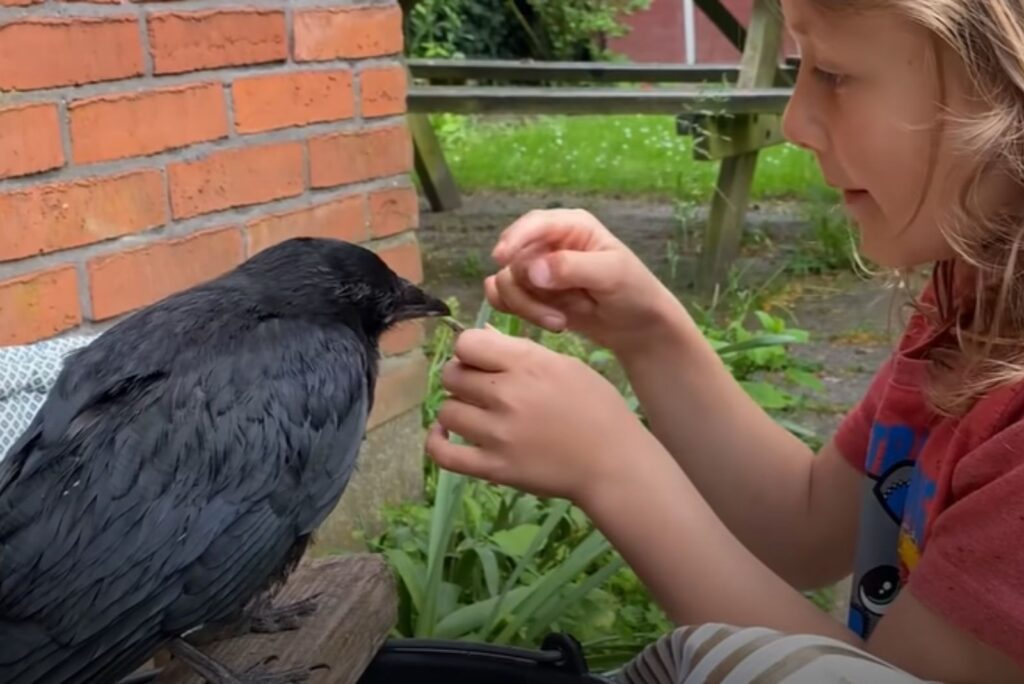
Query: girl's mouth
{"x": 851, "y": 197}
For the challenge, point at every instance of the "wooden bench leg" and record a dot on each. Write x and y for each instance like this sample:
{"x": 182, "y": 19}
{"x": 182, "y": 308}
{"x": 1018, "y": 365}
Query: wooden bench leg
{"x": 724, "y": 233}
{"x": 431, "y": 167}
{"x": 724, "y": 21}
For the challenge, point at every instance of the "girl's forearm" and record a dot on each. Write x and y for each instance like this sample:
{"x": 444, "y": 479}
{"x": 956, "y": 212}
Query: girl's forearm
{"x": 754, "y": 474}
{"x": 696, "y": 569}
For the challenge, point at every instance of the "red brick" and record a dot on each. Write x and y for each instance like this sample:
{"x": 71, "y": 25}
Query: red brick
{"x": 36, "y": 53}
{"x": 263, "y": 103}
{"x": 123, "y": 282}
{"x": 38, "y": 305}
{"x": 29, "y": 140}
{"x": 352, "y": 157}
{"x": 402, "y": 338}
{"x": 139, "y": 123}
{"x": 19, "y": 3}
{"x": 326, "y": 34}
{"x": 401, "y": 387}
{"x": 392, "y": 211}
{"x": 342, "y": 219}
{"x": 383, "y": 91}
{"x": 235, "y": 178}
{"x": 48, "y": 218}
{"x": 404, "y": 259}
{"x": 189, "y": 41}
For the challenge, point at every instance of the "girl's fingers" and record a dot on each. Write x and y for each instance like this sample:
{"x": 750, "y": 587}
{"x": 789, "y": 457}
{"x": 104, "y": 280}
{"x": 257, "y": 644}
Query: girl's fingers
{"x": 490, "y": 351}
{"x": 458, "y": 458}
{"x": 524, "y": 305}
{"x": 493, "y": 295}
{"x": 466, "y": 420}
{"x": 555, "y": 226}
{"x": 468, "y": 384}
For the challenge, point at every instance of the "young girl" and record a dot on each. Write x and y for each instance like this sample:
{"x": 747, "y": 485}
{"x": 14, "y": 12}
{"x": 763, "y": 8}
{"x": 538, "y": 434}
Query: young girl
{"x": 915, "y": 111}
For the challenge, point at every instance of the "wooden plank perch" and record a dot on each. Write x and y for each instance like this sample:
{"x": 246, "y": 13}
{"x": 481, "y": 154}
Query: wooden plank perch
{"x": 357, "y": 607}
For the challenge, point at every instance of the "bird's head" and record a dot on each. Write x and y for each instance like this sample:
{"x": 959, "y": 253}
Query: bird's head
{"x": 330, "y": 278}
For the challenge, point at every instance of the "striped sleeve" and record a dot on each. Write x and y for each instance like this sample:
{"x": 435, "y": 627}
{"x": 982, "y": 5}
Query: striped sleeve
{"x": 721, "y": 654}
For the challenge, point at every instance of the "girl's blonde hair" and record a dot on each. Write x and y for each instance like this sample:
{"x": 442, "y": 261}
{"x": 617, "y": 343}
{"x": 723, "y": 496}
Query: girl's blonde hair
{"x": 979, "y": 297}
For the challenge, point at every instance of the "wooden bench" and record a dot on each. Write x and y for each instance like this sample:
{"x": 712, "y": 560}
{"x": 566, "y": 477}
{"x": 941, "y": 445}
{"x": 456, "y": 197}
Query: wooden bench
{"x": 583, "y": 101}
{"x": 731, "y": 111}
{"x": 531, "y": 71}
{"x": 357, "y": 608}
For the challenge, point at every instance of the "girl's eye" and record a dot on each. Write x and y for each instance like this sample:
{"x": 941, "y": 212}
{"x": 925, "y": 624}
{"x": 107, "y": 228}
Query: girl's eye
{"x": 829, "y": 78}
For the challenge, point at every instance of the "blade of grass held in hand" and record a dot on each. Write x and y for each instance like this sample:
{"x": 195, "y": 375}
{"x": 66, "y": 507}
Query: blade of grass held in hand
{"x": 442, "y": 525}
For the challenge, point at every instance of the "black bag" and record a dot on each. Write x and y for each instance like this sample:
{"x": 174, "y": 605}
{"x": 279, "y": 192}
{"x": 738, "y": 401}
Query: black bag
{"x": 429, "y": 661}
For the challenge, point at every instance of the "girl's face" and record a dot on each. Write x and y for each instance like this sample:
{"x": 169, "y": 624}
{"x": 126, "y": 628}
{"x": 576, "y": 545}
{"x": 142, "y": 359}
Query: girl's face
{"x": 867, "y": 104}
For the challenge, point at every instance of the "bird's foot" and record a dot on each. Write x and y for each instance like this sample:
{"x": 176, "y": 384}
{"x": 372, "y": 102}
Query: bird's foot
{"x": 215, "y": 672}
{"x": 269, "y": 619}
{"x": 261, "y": 674}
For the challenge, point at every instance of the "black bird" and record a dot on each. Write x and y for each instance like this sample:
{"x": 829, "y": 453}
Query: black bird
{"x": 183, "y": 459}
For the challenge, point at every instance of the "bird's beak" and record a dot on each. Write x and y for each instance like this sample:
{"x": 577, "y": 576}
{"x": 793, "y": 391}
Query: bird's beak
{"x": 415, "y": 303}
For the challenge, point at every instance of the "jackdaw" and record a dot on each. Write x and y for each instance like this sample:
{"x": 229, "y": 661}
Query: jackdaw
{"x": 180, "y": 464}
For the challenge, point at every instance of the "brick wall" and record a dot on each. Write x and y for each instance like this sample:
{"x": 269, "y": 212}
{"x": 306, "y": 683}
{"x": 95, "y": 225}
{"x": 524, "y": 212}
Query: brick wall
{"x": 147, "y": 146}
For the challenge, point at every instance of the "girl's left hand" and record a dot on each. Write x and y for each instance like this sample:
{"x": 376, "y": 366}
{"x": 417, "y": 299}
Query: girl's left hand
{"x": 534, "y": 419}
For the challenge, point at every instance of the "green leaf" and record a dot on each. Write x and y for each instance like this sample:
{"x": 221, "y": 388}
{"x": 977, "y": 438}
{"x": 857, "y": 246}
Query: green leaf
{"x": 555, "y": 514}
{"x": 448, "y": 598}
{"x": 411, "y": 573}
{"x": 758, "y": 342}
{"x": 474, "y": 514}
{"x": 489, "y": 565}
{"x": 526, "y": 509}
{"x": 805, "y": 379}
{"x": 516, "y": 541}
{"x": 553, "y": 609}
{"x": 548, "y": 585}
{"x": 468, "y": 620}
{"x": 767, "y": 396}
{"x": 769, "y": 322}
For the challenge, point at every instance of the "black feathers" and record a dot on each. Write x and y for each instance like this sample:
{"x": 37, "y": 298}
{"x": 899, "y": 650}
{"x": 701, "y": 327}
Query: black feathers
{"x": 182, "y": 460}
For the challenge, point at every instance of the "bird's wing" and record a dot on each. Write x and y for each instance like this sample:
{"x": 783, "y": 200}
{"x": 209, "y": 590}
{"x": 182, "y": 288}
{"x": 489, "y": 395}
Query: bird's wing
{"x": 168, "y": 499}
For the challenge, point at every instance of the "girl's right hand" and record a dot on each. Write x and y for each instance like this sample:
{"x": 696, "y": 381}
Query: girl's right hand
{"x": 562, "y": 269}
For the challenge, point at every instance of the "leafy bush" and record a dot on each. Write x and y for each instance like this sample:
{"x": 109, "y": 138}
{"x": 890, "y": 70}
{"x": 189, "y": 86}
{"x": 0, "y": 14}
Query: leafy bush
{"x": 516, "y": 29}
{"x": 490, "y": 563}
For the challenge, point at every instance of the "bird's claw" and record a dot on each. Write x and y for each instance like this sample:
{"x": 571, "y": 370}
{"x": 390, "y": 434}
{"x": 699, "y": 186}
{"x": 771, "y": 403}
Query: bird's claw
{"x": 283, "y": 618}
{"x": 260, "y": 674}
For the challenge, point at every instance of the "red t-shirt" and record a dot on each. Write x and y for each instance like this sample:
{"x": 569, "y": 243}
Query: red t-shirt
{"x": 943, "y": 510}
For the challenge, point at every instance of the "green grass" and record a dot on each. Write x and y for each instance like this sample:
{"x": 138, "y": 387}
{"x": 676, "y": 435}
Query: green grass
{"x": 621, "y": 155}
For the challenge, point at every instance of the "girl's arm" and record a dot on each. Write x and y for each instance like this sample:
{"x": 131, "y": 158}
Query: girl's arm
{"x": 548, "y": 424}
{"x": 796, "y": 511}
{"x": 681, "y": 550}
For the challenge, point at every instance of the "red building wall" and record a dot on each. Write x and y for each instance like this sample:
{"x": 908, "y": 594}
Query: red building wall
{"x": 657, "y": 34}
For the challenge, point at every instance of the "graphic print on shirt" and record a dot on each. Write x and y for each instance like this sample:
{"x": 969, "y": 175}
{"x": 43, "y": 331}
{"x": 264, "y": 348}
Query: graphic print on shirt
{"x": 892, "y": 488}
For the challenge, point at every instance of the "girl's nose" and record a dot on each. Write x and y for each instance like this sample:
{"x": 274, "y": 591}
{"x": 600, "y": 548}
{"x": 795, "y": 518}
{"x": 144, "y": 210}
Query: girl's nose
{"x": 802, "y": 123}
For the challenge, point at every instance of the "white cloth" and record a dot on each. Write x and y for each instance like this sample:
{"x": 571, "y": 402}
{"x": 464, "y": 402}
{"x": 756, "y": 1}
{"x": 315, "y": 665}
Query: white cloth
{"x": 27, "y": 372}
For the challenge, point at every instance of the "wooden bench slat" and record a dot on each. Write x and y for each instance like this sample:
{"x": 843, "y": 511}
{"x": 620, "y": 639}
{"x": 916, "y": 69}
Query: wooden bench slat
{"x": 597, "y": 72}
{"x": 580, "y": 101}
{"x": 358, "y": 607}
